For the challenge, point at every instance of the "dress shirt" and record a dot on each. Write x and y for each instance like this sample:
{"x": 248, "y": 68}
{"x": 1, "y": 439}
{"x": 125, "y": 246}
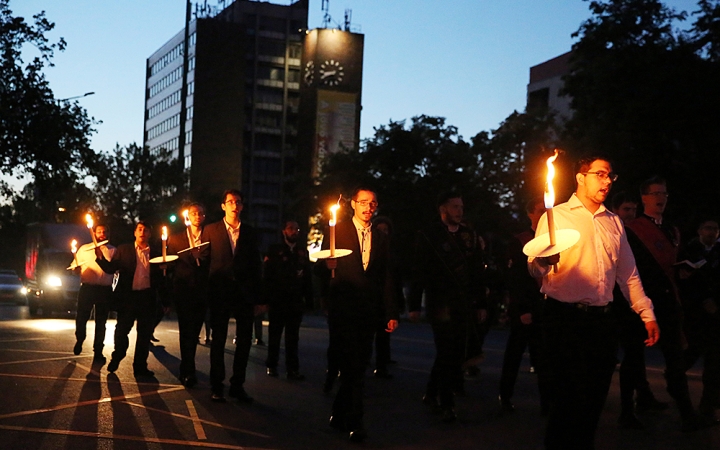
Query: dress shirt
{"x": 365, "y": 238}
{"x": 141, "y": 279}
{"x": 90, "y": 271}
{"x": 588, "y": 271}
{"x": 233, "y": 234}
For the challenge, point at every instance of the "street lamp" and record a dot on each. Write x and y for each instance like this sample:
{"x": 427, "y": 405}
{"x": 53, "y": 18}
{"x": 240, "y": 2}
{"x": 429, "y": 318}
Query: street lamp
{"x": 77, "y": 96}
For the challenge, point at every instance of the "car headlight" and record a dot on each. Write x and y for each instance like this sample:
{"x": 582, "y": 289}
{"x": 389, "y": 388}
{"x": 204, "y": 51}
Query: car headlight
{"x": 54, "y": 281}
{"x": 23, "y": 290}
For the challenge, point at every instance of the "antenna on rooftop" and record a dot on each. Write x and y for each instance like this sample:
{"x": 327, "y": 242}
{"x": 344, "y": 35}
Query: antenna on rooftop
{"x": 348, "y": 19}
{"x": 326, "y": 9}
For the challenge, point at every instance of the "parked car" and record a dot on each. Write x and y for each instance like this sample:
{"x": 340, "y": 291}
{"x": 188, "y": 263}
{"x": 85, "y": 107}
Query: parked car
{"x": 12, "y": 288}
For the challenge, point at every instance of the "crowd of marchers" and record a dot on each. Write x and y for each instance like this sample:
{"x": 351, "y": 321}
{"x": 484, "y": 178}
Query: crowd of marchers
{"x": 627, "y": 283}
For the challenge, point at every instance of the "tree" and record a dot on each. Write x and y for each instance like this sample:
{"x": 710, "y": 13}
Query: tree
{"x": 643, "y": 94}
{"x": 40, "y": 136}
{"x": 133, "y": 184}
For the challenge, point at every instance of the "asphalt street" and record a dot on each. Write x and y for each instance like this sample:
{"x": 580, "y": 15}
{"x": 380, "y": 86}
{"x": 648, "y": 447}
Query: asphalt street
{"x": 52, "y": 399}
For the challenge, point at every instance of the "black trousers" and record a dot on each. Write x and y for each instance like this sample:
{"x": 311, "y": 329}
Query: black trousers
{"x": 521, "y": 337}
{"x": 451, "y": 339}
{"x": 92, "y": 296}
{"x": 671, "y": 346}
{"x": 191, "y": 307}
{"x": 581, "y": 348}
{"x": 352, "y": 348}
{"x": 289, "y": 321}
{"x": 220, "y": 314}
{"x": 137, "y": 306}
{"x": 633, "y": 376}
{"x": 382, "y": 346}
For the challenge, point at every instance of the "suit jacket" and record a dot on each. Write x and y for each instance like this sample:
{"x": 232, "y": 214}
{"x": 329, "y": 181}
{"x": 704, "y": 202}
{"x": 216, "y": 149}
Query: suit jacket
{"x": 287, "y": 278}
{"x": 124, "y": 261}
{"x": 354, "y": 293}
{"x": 233, "y": 278}
{"x": 186, "y": 271}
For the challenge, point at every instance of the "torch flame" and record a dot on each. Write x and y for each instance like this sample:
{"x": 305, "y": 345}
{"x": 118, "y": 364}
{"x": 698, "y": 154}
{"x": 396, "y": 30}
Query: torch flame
{"x": 89, "y": 220}
{"x": 549, "y": 195}
{"x": 333, "y": 210}
{"x": 73, "y": 246}
{"x": 187, "y": 218}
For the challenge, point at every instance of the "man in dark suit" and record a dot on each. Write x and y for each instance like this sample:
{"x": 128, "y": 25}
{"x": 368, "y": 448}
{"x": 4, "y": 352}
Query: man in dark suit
{"x": 137, "y": 289}
{"x": 357, "y": 296}
{"x": 190, "y": 283}
{"x": 288, "y": 286}
{"x": 234, "y": 284}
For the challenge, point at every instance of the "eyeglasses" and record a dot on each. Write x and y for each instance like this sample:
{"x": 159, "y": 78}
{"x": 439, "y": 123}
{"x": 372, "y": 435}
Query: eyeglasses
{"x": 233, "y": 202}
{"x": 612, "y": 176}
{"x": 658, "y": 194}
{"x": 366, "y": 203}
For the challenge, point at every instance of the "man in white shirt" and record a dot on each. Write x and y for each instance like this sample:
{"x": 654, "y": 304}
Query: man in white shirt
{"x": 580, "y": 332}
{"x": 95, "y": 291}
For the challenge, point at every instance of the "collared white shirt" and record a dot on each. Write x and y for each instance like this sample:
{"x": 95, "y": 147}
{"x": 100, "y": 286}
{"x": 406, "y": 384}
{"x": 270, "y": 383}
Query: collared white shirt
{"x": 233, "y": 234}
{"x": 365, "y": 239}
{"x": 141, "y": 279}
{"x": 90, "y": 271}
{"x": 587, "y": 271}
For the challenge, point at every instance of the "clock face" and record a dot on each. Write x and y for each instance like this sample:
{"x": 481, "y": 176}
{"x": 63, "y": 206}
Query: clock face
{"x": 331, "y": 72}
{"x": 309, "y": 74}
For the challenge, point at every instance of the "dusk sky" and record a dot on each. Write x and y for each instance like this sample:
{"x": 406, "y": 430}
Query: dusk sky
{"x": 465, "y": 60}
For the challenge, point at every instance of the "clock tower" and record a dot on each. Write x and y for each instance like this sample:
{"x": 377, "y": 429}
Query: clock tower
{"x": 330, "y": 94}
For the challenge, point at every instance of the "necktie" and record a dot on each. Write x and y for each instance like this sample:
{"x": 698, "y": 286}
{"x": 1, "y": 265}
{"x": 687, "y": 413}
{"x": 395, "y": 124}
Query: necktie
{"x": 364, "y": 248}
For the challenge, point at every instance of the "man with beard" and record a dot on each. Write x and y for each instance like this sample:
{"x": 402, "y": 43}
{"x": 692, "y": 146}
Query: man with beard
{"x": 190, "y": 284}
{"x": 358, "y": 294}
{"x": 580, "y": 333}
{"x": 234, "y": 290}
{"x": 655, "y": 245}
{"x": 448, "y": 268}
{"x": 288, "y": 285}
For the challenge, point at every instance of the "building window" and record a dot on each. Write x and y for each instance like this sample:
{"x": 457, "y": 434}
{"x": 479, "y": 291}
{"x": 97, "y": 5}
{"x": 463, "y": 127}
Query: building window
{"x": 166, "y": 81}
{"x": 166, "y": 59}
{"x": 266, "y": 166}
{"x": 164, "y": 104}
{"x": 171, "y": 146}
{"x": 164, "y": 126}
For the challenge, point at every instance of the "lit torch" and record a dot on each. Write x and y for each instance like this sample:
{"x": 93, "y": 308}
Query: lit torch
{"x": 549, "y": 198}
{"x": 89, "y": 220}
{"x": 73, "y": 249}
{"x": 164, "y": 243}
{"x": 333, "y": 222}
{"x": 191, "y": 242}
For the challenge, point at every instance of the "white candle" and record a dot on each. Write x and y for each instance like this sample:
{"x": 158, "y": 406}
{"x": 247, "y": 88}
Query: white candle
{"x": 164, "y": 243}
{"x": 73, "y": 249}
{"x": 333, "y": 222}
{"x": 549, "y": 197}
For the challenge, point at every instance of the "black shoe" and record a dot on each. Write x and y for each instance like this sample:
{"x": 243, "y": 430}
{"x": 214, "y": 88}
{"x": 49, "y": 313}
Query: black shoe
{"x": 506, "y": 406}
{"x": 330, "y": 378}
{"x": 113, "y": 366}
{"x": 448, "y": 415}
{"x": 154, "y": 339}
{"x": 338, "y": 423}
{"x": 391, "y": 361}
{"x": 357, "y": 435}
{"x": 629, "y": 421}
{"x": 295, "y": 376}
{"x": 78, "y": 348}
{"x": 140, "y": 373}
{"x": 188, "y": 381}
{"x": 99, "y": 358}
{"x": 650, "y": 404}
{"x": 697, "y": 422}
{"x": 238, "y": 392}
{"x": 217, "y": 397}
{"x": 384, "y": 374}
{"x": 272, "y": 372}
{"x": 259, "y": 342}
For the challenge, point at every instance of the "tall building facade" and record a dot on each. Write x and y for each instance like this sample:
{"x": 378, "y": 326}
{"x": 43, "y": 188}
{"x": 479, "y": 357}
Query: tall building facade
{"x": 543, "y": 91}
{"x": 229, "y": 106}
